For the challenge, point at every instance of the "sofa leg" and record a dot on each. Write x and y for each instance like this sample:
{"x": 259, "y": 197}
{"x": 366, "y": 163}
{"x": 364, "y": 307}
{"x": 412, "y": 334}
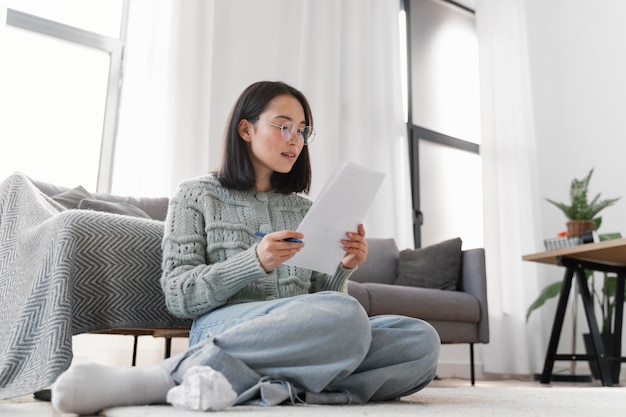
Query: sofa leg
{"x": 168, "y": 347}
{"x": 471, "y": 345}
{"x": 135, "y": 342}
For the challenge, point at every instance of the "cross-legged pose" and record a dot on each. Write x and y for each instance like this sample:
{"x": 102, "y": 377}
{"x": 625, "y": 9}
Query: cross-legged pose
{"x": 264, "y": 332}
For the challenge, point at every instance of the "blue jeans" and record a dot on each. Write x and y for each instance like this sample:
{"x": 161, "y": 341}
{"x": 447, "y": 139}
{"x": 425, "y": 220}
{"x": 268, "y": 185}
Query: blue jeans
{"x": 316, "y": 342}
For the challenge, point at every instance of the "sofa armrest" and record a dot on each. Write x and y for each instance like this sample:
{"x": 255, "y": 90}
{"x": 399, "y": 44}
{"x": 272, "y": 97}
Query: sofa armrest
{"x": 474, "y": 282}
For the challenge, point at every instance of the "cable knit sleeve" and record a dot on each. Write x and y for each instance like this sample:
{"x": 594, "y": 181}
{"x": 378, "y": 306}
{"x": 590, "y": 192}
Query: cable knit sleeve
{"x": 336, "y": 282}
{"x": 193, "y": 283}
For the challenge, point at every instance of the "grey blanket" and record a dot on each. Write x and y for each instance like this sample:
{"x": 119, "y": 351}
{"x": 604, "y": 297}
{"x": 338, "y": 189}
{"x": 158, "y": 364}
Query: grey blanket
{"x": 65, "y": 272}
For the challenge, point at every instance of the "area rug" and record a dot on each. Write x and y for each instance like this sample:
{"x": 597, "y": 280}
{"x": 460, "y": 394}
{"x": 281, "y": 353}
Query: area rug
{"x": 478, "y": 401}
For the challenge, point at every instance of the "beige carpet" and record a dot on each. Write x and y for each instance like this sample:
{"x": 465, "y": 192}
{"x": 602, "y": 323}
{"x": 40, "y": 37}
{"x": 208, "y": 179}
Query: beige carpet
{"x": 442, "y": 398}
{"x": 479, "y": 401}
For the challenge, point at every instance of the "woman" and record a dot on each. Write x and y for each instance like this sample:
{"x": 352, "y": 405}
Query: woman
{"x": 258, "y": 322}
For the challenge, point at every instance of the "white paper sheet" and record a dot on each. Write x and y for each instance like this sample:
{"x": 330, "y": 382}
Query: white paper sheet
{"x": 340, "y": 207}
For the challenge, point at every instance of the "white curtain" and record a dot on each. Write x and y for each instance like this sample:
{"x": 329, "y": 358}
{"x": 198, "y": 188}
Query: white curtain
{"x": 511, "y": 212}
{"x": 3, "y": 17}
{"x": 188, "y": 61}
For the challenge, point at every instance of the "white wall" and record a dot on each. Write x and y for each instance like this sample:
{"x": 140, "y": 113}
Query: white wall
{"x": 578, "y": 70}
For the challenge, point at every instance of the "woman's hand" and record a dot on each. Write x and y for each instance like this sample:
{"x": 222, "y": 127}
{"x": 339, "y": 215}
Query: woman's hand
{"x": 356, "y": 248}
{"x": 273, "y": 250}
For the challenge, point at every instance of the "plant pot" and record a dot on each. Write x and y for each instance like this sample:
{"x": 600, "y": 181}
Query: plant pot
{"x": 575, "y": 228}
{"x": 614, "y": 366}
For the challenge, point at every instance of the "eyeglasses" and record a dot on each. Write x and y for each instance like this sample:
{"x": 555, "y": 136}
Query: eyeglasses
{"x": 289, "y": 129}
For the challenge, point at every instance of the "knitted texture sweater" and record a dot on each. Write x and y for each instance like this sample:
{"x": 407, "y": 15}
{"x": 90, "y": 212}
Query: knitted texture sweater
{"x": 209, "y": 249}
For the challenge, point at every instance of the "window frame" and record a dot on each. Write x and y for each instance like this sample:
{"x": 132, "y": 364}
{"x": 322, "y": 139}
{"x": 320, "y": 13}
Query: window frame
{"x": 416, "y": 133}
{"x": 115, "y": 49}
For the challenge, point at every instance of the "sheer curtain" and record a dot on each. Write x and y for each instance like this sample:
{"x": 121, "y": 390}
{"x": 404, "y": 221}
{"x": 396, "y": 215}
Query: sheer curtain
{"x": 188, "y": 61}
{"x": 3, "y": 18}
{"x": 511, "y": 212}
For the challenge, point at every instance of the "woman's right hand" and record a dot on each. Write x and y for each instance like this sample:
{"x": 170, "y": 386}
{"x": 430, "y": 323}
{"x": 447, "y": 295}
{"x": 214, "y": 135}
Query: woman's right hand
{"x": 273, "y": 250}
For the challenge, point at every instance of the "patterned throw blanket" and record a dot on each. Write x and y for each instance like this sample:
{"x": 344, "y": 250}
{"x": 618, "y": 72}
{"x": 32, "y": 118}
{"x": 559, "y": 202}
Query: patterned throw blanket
{"x": 65, "y": 272}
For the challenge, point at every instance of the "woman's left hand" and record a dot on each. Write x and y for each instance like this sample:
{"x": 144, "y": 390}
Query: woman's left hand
{"x": 356, "y": 248}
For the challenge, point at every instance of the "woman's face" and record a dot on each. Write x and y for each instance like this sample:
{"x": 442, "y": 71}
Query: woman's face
{"x": 269, "y": 152}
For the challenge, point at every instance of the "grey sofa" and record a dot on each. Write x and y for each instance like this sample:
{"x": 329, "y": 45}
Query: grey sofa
{"x": 66, "y": 270}
{"x": 459, "y": 316}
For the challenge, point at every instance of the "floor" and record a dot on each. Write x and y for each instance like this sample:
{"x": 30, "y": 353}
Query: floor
{"x": 27, "y": 406}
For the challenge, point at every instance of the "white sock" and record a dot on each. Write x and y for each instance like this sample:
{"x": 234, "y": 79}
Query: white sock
{"x": 88, "y": 388}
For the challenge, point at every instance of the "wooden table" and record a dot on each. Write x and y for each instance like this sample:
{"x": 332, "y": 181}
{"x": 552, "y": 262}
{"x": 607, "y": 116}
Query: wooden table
{"x": 607, "y": 256}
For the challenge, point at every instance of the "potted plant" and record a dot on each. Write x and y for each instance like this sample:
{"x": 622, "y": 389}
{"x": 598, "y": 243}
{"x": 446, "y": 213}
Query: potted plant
{"x": 581, "y": 212}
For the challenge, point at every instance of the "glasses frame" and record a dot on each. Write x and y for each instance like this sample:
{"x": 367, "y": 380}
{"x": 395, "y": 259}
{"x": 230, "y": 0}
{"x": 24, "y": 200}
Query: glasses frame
{"x": 284, "y": 130}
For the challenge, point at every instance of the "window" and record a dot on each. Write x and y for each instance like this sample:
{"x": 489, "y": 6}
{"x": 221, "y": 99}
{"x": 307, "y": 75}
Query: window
{"x": 60, "y": 81}
{"x": 444, "y": 122}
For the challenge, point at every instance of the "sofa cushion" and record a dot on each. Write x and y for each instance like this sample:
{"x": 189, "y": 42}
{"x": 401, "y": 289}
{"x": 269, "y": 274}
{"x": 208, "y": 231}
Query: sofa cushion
{"x": 436, "y": 266}
{"x": 154, "y": 207}
{"x": 423, "y": 303}
{"x": 71, "y": 197}
{"x": 455, "y": 331}
{"x": 111, "y": 207}
{"x": 47, "y": 188}
{"x": 381, "y": 264}
{"x": 358, "y": 291}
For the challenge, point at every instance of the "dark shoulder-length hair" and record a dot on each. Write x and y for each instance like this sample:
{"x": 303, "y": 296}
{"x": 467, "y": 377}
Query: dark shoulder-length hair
{"x": 236, "y": 171}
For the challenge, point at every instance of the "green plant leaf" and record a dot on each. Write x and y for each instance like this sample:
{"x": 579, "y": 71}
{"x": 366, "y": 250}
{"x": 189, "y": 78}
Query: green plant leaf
{"x": 597, "y": 222}
{"x": 610, "y": 285}
{"x": 580, "y": 208}
{"x": 548, "y": 292}
{"x": 609, "y": 236}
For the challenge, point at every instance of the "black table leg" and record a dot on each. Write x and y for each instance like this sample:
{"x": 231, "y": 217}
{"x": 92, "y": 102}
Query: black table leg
{"x": 546, "y": 376}
{"x": 603, "y": 362}
{"x": 619, "y": 314}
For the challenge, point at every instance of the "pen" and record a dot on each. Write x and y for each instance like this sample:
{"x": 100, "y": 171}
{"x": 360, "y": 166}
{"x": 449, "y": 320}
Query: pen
{"x": 290, "y": 239}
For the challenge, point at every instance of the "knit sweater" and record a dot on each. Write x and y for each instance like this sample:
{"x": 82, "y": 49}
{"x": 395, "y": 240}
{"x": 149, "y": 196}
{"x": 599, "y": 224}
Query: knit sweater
{"x": 209, "y": 249}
